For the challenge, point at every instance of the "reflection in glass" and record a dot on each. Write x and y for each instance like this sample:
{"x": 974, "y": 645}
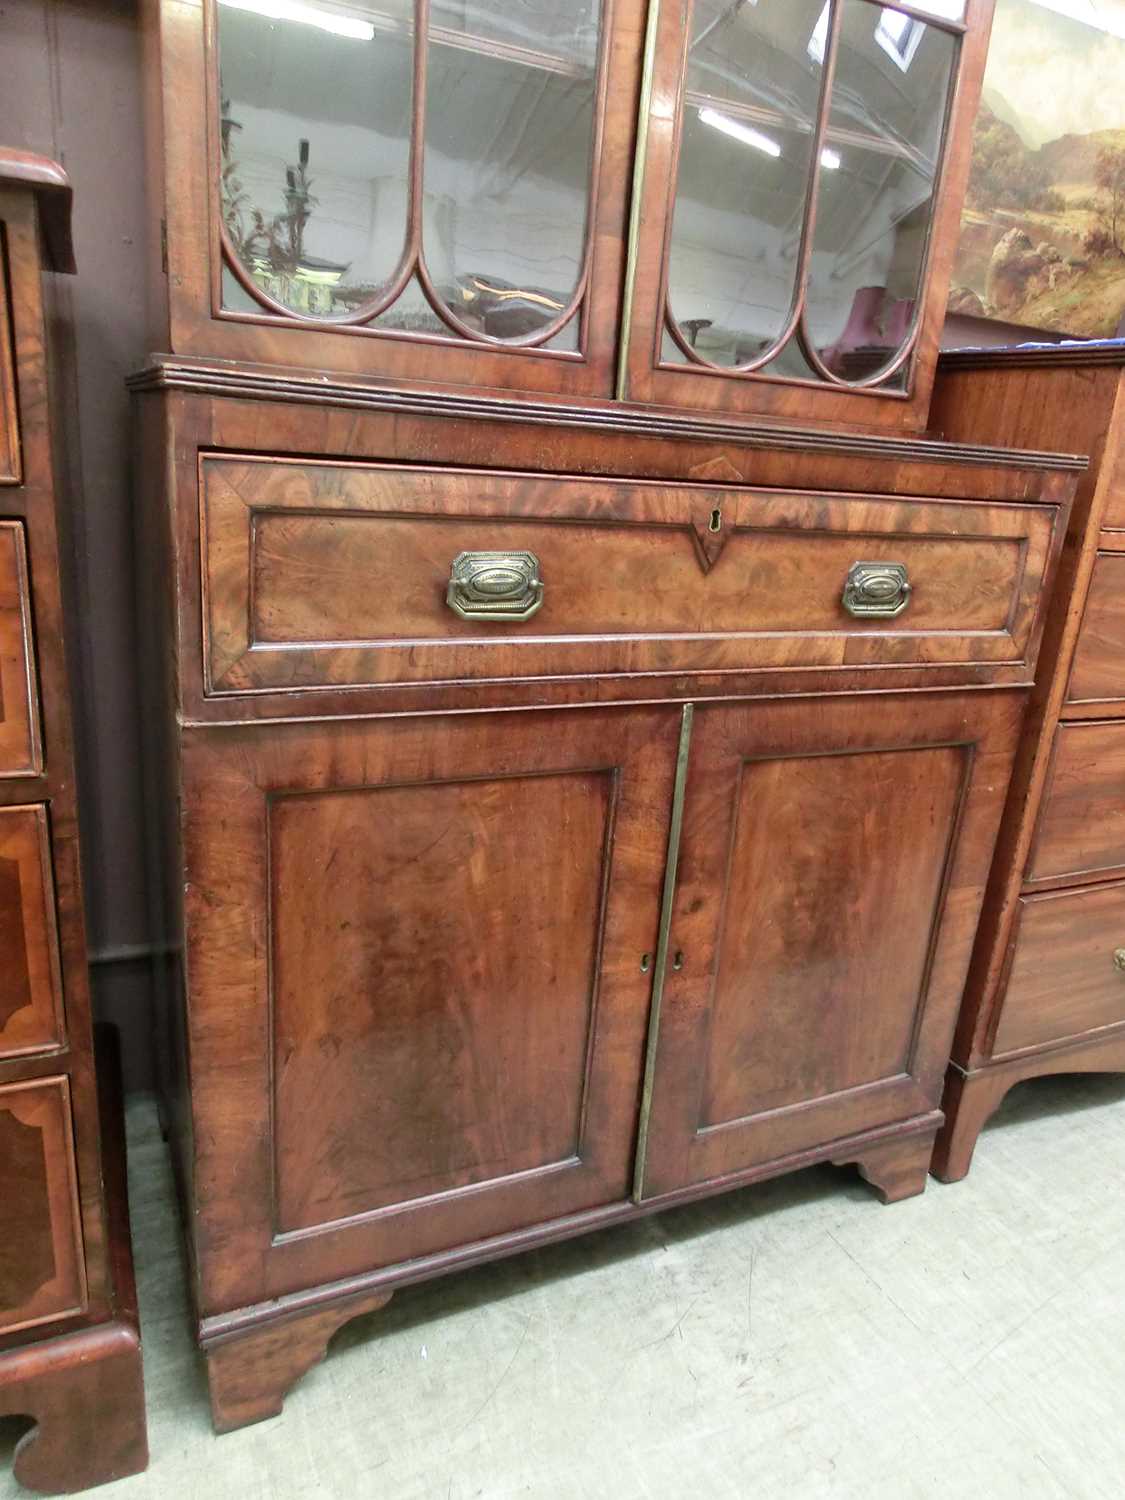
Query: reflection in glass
{"x": 315, "y": 138}
{"x": 751, "y": 103}
{"x": 874, "y": 208}
{"x": 750, "y": 113}
{"x": 509, "y": 124}
{"x": 318, "y": 196}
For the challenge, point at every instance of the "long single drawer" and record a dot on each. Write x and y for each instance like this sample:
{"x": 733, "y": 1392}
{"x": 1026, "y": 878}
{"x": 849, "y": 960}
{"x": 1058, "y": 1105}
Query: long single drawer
{"x": 42, "y": 1272}
{"x": 318, "y": 574}
{"x": 1067, "y": 975}
{"x": 19, "y": 713}
{"x": 1081, "y": 832}
{"x": 1098, "y": 672}
{"x": 31, "y": 1012}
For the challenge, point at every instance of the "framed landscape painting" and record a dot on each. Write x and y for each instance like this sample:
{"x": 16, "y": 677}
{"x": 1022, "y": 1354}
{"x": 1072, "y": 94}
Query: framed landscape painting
{"x": 1043, "y": 229}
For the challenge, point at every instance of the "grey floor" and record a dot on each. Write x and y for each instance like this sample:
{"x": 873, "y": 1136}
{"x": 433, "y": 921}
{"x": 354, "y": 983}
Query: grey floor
{"x": 792, "y": 1340}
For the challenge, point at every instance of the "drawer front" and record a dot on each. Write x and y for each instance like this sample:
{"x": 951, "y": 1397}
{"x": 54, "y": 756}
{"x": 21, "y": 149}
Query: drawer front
{"x": 42, "y": 1275}
{"x": 322, "y": 574}
{"x": 1081, "y": 831}
{"x": 10, "y": 469}
{"x": 1064, "y": 979}
{"x": 31, "y": 1016}
{"x": 19, "y": 710}
{"x": 1098, "y": 673}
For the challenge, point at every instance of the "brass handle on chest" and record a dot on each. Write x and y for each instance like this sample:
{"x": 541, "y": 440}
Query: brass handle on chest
{"x": 495, "y": 585}
{"x": 876, "y": 590}
{"x": 1119, "y": 958}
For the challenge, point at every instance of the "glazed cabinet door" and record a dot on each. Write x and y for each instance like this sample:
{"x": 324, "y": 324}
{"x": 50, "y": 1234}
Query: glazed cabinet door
{"x": 420, "y": 962}
{"x": 831, "y": 869}
{"x": 798, "y": 194}
{"x": 428, "y": 189}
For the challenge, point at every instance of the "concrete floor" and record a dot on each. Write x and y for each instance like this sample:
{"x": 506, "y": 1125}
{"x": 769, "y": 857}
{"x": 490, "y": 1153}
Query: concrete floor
{"x": 794, "y": 1340}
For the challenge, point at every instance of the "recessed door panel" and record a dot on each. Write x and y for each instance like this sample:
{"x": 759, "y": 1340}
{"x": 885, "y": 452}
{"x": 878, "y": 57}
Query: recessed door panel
{"x": 831, "y": 869}
{"x": 827, "y": 924}
{"x": 431, "y": 1012}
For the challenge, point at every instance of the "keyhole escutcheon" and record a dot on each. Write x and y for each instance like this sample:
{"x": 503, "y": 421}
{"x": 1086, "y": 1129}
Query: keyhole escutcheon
{"x": 716, "y": 521}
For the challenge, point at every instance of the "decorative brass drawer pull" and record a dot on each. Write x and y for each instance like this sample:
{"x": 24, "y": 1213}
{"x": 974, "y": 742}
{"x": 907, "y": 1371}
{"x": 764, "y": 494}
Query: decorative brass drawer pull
{"x": 876, "y": 590}
{"x": 495, "y": 585}
{"x": 1119, "y": 958}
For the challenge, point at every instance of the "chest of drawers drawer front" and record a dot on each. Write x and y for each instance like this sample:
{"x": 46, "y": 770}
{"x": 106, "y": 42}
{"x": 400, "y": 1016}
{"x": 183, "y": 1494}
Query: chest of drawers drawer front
{"x": 31, "y": 988}
{"x": 19, "y": 715}
{"x": 319, "y": 574}
{"x": 1067, "y": 975}
{"x": 41, "y": 1261}
{"x": 9, "y": 413}
{"x": 1098, "y": 673}
{"x": 1081, "y": 830}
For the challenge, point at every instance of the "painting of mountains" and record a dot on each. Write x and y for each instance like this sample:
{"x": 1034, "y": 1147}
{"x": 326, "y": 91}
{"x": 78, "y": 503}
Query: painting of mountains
{"x": 1043, "y": 229}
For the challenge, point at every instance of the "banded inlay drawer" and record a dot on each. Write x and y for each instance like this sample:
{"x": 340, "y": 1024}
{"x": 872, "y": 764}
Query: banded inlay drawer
{"x": 31, "y": 1012}
{"x": 20, "y": 753}
{"x": 1067, "y": 975}
{"x": 1098, "y": 673}
{"x": 318, "y": 574}
{"x": 10, "y": 467}
{"x": 42, "y": 1273}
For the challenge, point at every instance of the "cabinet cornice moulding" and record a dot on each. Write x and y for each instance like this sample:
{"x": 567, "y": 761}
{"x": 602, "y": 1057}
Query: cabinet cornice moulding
{"x": 255, "y": 383}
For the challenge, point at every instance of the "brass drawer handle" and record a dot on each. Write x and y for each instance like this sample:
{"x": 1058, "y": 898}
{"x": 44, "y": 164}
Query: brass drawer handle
{"x": 1119, "y": 958}
{"x": 876, "y": 590}
{"x": 495, "y": 585}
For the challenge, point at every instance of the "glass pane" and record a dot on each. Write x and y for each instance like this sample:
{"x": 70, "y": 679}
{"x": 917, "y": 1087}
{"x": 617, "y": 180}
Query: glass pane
{"x": 509, "y": 127}
{"x": 752, "y": 93}
{"x": 875, "y": 201}
{"x": 315, "y": 130}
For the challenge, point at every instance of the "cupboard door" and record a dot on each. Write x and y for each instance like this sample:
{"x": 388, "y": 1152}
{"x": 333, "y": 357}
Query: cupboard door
{"x": 418, "y": 984}
{"x": 420, "y": 188}
{"x": 42, "y": 1276}
{"x": 798, "y": 200}
{"x": 831, "y": 870}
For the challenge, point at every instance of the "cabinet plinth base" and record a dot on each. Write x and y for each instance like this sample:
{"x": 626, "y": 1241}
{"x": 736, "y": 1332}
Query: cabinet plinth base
{"x": 250, "y": 1374}
{"x": 896, "y": 1168}
{"x": 85, "y": 1393}
{"x": 85, "y": 1390}
{"x": 973, "y": 1096}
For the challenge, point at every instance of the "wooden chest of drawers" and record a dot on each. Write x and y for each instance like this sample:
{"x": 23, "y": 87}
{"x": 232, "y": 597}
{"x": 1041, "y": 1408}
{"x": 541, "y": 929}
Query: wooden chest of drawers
{"x": 1046, "y": 992}
{"x": 69, "y": 1346}
{"x": 554, "y": 847}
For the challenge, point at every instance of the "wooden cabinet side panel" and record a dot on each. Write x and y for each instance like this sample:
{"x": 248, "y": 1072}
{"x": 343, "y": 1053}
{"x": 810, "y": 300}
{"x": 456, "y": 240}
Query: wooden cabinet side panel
{"x": 1083, "y": 408}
